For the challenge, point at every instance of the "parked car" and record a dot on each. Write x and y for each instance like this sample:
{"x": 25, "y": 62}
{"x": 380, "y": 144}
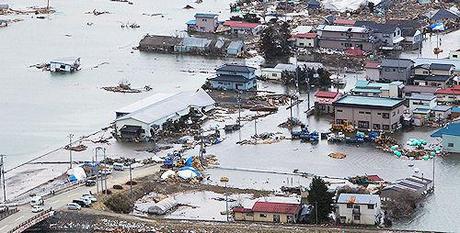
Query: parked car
{"x": 73, "y": 206}
{"x": 90, "y": 182}
{"x": 36, "y": 200}
{"x": 106, "y": 171}
{"x": 89, "y": 196}
{"x": 118, "y": 166}
{"x": 81, "y": 203}
{"x": 87, "y": 200}
{"x": 37, "y": 209}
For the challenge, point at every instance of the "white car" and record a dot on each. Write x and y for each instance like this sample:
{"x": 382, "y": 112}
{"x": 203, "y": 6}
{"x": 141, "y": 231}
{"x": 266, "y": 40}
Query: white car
{"x": 37, "y": 209}
{"x": 89, "y": 196}
{"x": 106, "y": 171}
{"x": 86, "y": 200}
{"x": 73, "y": 206}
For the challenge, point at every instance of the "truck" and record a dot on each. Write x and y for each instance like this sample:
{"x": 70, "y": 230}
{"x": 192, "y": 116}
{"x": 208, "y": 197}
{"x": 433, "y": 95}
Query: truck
{"x": 36, "y": 200}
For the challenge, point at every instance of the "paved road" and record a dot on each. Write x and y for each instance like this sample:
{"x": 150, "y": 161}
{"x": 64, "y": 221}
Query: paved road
{"x": 59, "y": 201}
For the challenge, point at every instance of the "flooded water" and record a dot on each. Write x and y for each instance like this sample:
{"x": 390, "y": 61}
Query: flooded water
{"x": 39, "y": 109}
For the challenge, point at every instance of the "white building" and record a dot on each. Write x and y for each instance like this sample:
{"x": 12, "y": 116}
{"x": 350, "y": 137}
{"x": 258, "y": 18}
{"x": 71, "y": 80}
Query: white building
{"x": 359, "y": 209}
{"x": 69, "y": 64}
{"x": 275, "y": 73}
{"x": 139, "y": 120}
{"x": 423, "y": 101}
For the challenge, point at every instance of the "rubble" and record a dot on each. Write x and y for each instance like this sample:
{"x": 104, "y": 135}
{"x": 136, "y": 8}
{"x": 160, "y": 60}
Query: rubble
{"x": 263, "y": 138}
{"x": 290, "y": 123}
{"x": 96, "y": 12}
{"x": 125, "y": 87}
{"x": 77, "y": 148}
{"x": 129, "y": 2}
{"x": 188, "y": 7}
{"x": 337, "y": 155}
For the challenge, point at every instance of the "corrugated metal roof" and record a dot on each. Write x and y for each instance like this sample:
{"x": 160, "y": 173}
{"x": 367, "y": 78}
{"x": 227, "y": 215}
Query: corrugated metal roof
{"x": 236, "y": 68}
{"x": 276, "y": 207}
{"x": 369, "y": 101}
{"x": 452, "y": 129}
{"x": 195, "y": 42}
{"x": 400, "y": 63}
{"x": 337, "y": 28}
{"x": 205, "y": 15}
{"x": 417, "y": 96}
{"x": 358, "y": 198}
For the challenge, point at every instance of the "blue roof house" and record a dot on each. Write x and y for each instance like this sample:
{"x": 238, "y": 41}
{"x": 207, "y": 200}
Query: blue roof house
{"x": 450, "y": 135}
{"x": 235, "y": 48}
{"x": 234, "y": 77}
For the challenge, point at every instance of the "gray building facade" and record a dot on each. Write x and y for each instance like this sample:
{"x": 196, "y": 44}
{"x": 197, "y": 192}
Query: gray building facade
{"x": 396, "y": 69}
{"x": 344, "y": 37}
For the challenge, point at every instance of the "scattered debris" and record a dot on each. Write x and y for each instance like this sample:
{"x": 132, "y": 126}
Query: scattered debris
{"x": 125, "y": 87}
{"x": 153, "y": 14}
{"x": 96, "y": 12}
{"x": 77, "y": 148}
{"x": 128, "y": 25}
{"x": 188, "y": 7}
{"x": 337, "y": 155}
{"x": 130, "y": 3}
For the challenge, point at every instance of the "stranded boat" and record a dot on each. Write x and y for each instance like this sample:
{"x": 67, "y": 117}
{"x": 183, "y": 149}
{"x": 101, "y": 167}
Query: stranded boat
{"x": 69, "y": 64}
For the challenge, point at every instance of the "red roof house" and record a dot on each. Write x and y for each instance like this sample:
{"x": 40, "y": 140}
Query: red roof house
{"x": 372, "y": 65}
{"x": 324, "y": 101}
{"x": 268, "y": 212}
{"x": 455, "y": 90}
{"x": 308, "y": 35}
{"x": 344, "y": 22}
{"x": 276, "y": 207}
{"x": 240, "y": 24}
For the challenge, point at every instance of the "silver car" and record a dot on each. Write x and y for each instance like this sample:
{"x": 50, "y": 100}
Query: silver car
{"x": 73, "y": 206}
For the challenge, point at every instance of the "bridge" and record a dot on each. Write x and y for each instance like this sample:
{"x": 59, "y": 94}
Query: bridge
{"x": 21, "y": 217}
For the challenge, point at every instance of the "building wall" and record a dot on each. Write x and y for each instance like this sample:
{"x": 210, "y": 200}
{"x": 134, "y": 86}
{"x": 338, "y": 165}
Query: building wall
{"x": 443, "y": 98}
{"x": 269, "y": 217}
{"x": 451, "y": 143}
{"x": 367, "y": 216}
{"x": 374, "y": 117}
{"x": 324, "y": 108}
{"x": 234, "y": 85}
{"x": 129, "y": 121}
{"x": 395, "y": 74}
{"x": 428, "y": 104}
{"x": 206, "y": 24}
{"x": 243, "y": 216}
{"x": 442, "y": 115}
{"x": 246, "y": 75}
{"x": 271, "y": 73}
{"x": 430, "y": 83}
{"x": 372, "y": 74}
{"x": 343, "y": 44}
{"x": 305, "y": 43}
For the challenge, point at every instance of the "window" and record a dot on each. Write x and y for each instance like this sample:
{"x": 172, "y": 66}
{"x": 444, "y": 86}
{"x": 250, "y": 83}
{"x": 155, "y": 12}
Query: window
{"x": 394, "y": 34}
{"x": 385, "y": 115}
{"x": 368, "y": 113}
{"x": 339, "y": 110}
{"x": 376, "y": 126}
{"x": 275, "y": 75}
{"x": 363, "y": 124}
{"x": 371, "y": 207}
{"x": 394, "y": 114}
{"x": 385, "y": 127}
{"x": 394, "y": 70}
{"x": 263, "y": 215}
{"x": 450, "y": 144}
{"x": 349, "y": 206}
{"x": 455, "y": 56}
{"x": 356, "y": 217}
{"x": 250, "y": 214}
{"x": 361, "y": 112}
{"x": 379, "y": 113}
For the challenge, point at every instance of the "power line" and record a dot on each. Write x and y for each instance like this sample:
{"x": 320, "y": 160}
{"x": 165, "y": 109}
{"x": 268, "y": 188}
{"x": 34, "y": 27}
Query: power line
{"x": 2, "y": 176}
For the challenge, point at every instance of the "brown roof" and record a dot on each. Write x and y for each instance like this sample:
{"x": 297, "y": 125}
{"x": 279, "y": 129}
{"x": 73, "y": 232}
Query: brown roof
{"x": 276, "y": 207}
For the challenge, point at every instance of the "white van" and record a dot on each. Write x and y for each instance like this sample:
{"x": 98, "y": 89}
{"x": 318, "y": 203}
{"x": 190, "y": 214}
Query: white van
{"x": 36, "y": 200}
{"x": 118, "y": 166}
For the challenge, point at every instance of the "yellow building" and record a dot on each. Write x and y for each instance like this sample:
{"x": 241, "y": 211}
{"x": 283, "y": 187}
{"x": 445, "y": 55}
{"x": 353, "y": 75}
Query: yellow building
{"x": 268, "y": 212}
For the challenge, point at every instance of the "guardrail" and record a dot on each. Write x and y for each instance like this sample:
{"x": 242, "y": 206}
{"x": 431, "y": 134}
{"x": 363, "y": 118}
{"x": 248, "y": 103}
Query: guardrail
{"x": 7, "y": 213}
{"x": 32, "y": 221}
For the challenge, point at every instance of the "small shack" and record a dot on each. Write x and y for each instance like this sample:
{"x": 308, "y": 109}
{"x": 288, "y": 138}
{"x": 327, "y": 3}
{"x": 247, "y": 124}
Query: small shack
{"x": 162, "y": 207}
{"x": 154, "y": 43}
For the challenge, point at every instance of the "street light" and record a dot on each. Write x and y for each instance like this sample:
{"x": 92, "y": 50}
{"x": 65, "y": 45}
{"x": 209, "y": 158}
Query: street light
{"x": 225, "y": 180}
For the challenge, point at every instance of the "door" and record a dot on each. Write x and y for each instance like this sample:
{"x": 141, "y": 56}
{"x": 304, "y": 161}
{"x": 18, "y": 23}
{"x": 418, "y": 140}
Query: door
{"x": 276, "y": 218}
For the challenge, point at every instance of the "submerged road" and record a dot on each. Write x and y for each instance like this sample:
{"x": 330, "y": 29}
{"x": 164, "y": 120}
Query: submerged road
{"x": 59, "y": 201}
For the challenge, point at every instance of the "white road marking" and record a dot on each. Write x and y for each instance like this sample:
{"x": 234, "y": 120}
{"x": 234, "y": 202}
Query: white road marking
{"x": 3, "y": 227}
{"x": 19, "y": 218}
{"x": 54, "y": 202}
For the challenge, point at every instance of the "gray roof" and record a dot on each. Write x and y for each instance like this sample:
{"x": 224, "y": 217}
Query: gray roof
{"x": 195, "y": 42}
{"x": 421, "y": 61}
{"x": 238, "y": 44}
{"x": 441, "y": 14}
{"x": 441, "y": 108}
{"x": 419, "y": 89}
{"x": 377, "y": 27}
{"x": 439, "y": 66}
{"x": 422, "y": 97}
{"x": 433, "y": 78}
{"x": 230, "y": 78}
{"x": 236, "y": 68}
{"x": 399, "y": 63}
{"x": 355, "y": 198}
{"x": 205, "y": 15}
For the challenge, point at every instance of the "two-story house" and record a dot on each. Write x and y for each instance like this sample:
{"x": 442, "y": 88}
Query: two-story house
{"x": 366, "y": 112}
{"x": 388, "y": 36}
{"x": 411, "y": 30}
{"x": 423, "y": 101}
{"x": 434, "y": 75}
{"x": 345, "y": 37}
{"x": 204, "y": 22}
{"x": 242, "y": 28}
{"x": 234, "y": 77}
{"x": 396, "y": 69}
{"x": 353, "y": 208}
{"x": 366, "y": 88}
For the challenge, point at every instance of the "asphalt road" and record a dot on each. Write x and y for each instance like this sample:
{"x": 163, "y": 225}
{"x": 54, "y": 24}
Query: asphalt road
{"x": 59, "y": 201}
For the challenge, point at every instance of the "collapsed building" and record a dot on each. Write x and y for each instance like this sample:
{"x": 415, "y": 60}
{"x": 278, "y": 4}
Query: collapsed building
{"x": 144, "y": 119}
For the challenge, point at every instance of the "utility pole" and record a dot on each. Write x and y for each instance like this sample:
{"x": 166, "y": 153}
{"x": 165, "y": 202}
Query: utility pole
{"x": 225, "y": 180}
{"x": 48, "y": 5}
{"x": 70, "y": 150}
{"x": 2, "y": 176}
{"x": 130, "y": 179}
{"x": 97, "y": 170}
{"x": 433, "y": 169}
{"x": 105, "y": 175}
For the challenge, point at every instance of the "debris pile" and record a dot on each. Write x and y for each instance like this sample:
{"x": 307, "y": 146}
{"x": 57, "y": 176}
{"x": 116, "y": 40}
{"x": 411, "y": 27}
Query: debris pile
{"x": 263, "y": 138}
{"x": 125, "y": 87}
{"x": 77, "y": 148}
{"x": 337, "y": 155}
{"x": 290, "y": 123}
{"x": 96, "y": 12}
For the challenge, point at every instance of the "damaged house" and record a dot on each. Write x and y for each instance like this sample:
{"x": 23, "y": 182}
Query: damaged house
{"x": 142, "y": 119}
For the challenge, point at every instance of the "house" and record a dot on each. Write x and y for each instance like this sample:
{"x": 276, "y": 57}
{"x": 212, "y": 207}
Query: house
{"x": 353, "y": 208}
{"x": 426, "y": 101}
{"x": 455, "y": 112}
{"x": 276, "y": 212}
{"x": 441, "y": 15}
{"x": 365, "y": 112}
{"x": 305, "y": 40}
{"x": 324, "y": 101}
{"x": 396, "y": 69}
{"x": 313, "y": 5}
{"x": 4, "y": 6}
{"x": 420, "y": 116}
{"x": 140, "y": 120}
{"x": 234, "y": 77}
{"x": 154, "y": 43}
{"x": 450, "y": 135}
{"x": 193, "y": 45}
{"x": 411, "y": 30}
{"x": 372, "y": 70}
{"x": 388, "y": 36}
{"x": 434, "y": 69}
{"x": 441, "y": 112}
{"x": 455, "y": 54}
{"x": 204, "y": 22}
{"x": 68, "y": 64}
{"x": 242, "y": 28}
{"x": 366, "y": 88}
{"x": 454, "y": 62}
{"x": 449, "y": 95}
{"x": 414, "y": 185}
{"x": 235, "y": 48}
{"x": 409, "y": 90}
{"x": 441, "y": 81}
{"x": 344, "y": 37}
{"x": 276, "y": 72}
